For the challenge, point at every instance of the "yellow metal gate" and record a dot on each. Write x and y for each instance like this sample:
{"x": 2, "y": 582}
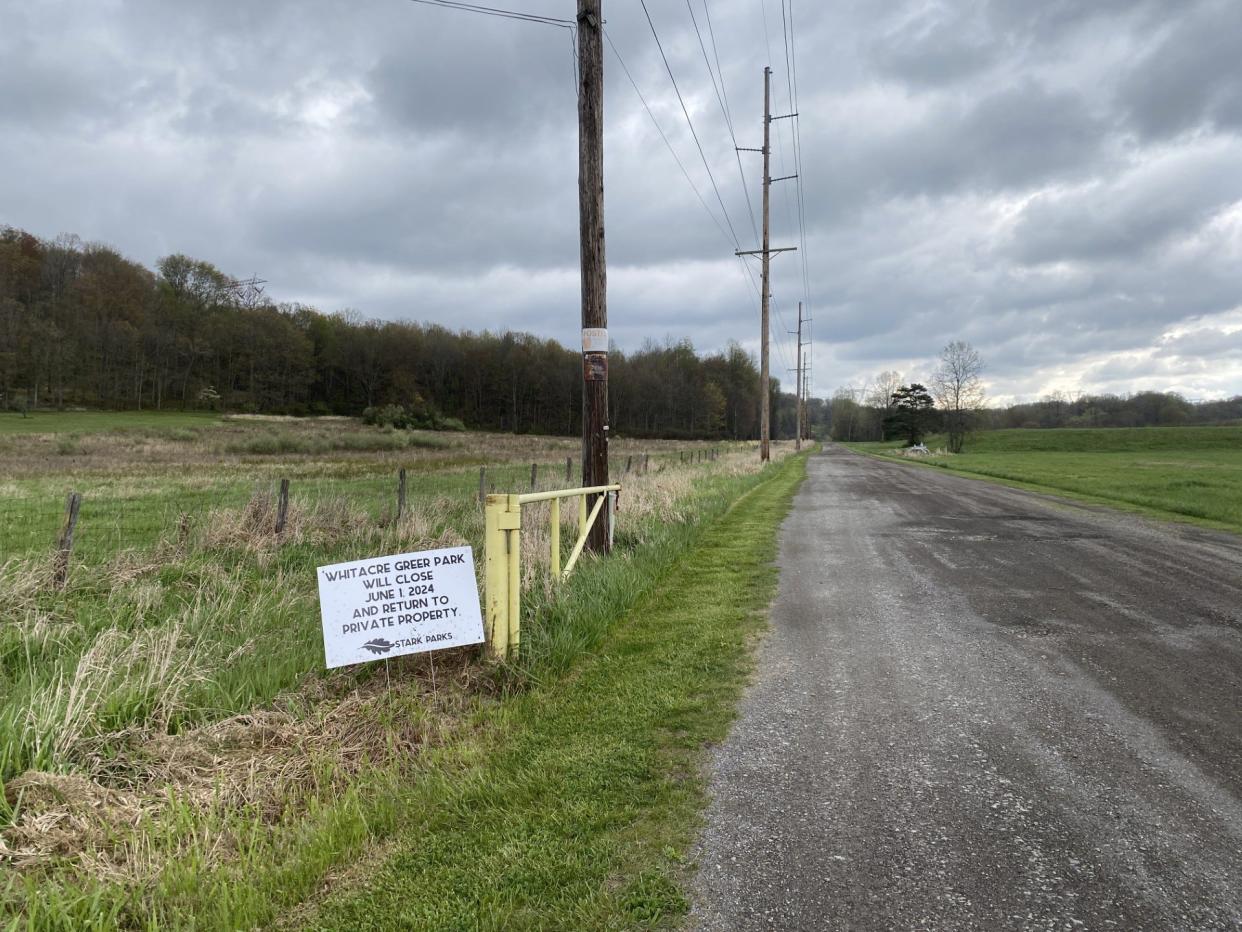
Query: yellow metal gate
{"x": 502, "y": 555}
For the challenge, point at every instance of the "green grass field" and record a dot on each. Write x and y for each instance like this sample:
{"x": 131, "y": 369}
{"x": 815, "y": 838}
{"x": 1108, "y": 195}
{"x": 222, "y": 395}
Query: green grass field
{"x": 83, "y": 422}
{"x": 170, "y": 745}
{"x": 1189, "y": 473}
{"x": 139, "y": 473}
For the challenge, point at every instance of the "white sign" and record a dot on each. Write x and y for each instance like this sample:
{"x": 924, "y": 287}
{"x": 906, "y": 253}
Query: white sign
{"x": 594, "y": 339}
{"x": 403, "y": 604}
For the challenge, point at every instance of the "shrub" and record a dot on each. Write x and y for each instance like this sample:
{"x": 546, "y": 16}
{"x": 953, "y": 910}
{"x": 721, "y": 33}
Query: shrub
{"x": 420, "y": 414}
{"x": 386, "y": 416}
{"x": 272, "y": 444}
{"x": 69, "y": 445}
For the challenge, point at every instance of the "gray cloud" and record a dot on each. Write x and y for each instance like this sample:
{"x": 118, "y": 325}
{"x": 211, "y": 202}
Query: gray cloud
{"x": 1055, "y": 182}
{"x": 935, "y": 45}
{"x": 1129, "y": 216}
{"x": 1189, "y": 78}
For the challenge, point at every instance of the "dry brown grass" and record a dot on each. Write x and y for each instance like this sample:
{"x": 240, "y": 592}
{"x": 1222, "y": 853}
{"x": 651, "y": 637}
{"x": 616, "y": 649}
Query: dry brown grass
{"x": 157, "y": 666}
{"x": 267, "y": 764}
{"x": 141, "y": 452}
{"x": 662, "y": 492}
{"x": 428, "y": 523}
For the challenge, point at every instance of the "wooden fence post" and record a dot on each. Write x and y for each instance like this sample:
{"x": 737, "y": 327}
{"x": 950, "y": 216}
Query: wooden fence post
{"x": 282, "y": 507}
{"x": 401, "y": 493}
{"x": 534, "y": 475}
{"x": 569, "y": 468}
{"x": 64, "y": 546}
{"x": 482, "y": 484}
{"x": 628, "y": 461}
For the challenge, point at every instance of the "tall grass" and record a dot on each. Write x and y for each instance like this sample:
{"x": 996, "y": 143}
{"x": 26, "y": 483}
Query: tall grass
{"x": 178, "y": 840}
{"x": 284, "y": 442}
{"x": 139, "y": 481}
{"x": 123, "y": 683}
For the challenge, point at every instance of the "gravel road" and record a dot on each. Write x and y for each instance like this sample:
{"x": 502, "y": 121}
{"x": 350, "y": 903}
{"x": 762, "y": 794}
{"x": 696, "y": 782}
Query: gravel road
{"x": 981, "y": 708}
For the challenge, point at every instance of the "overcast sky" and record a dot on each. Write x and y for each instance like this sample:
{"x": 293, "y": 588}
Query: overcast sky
{"x": 1057, "y": 182}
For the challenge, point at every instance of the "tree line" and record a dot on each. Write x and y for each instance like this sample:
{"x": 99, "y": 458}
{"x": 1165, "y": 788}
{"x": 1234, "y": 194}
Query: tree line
{"x": 82, "y": 326}
{"x": 886, "y": 408}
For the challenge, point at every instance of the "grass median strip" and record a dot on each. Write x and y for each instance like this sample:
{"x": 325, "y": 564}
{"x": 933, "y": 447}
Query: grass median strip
{"x": 580, "y": 815}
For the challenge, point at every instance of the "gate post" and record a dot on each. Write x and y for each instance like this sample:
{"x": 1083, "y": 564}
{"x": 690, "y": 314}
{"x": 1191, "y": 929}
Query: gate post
{"x": 554, "y": 535}
{"x": 496, "y": 574}
{"x": 513, "y": 521}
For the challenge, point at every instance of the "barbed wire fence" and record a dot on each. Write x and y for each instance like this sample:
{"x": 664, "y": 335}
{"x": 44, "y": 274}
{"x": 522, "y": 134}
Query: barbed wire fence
{"x": 93, "y": 520}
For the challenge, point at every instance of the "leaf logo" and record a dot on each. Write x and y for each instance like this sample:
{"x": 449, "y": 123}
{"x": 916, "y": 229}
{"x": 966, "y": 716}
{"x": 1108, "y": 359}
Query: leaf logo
{"x": 378, "y": 646}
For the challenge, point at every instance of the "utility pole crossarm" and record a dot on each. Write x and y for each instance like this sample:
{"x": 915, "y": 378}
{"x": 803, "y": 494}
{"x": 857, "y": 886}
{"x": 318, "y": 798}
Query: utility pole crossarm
{"x": 784, "y": 178}
{"x": 760, "y": 252}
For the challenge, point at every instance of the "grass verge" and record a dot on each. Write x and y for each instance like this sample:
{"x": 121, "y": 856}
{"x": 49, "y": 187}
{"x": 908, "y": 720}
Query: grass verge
{"x": 261, "y": 807}
{"x": 581, "y": 816}
{"x": 1185, "y": 474}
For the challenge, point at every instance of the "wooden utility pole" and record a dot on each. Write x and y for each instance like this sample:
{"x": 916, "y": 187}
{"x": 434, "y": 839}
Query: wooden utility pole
{"x": 801, "y": 370}
{"x": 765, "y": 253}
{"x": 802, "y": 426}
{"x": 594, "y": 270}
{"x": 798, "y": 395}
{"x": 765, "y": 426}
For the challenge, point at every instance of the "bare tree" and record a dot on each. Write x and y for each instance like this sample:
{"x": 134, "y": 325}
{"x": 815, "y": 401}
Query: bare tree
{"x": 958, "y": 387}
{"x": 849, "y": 413}
{"x": 881, "y": 399}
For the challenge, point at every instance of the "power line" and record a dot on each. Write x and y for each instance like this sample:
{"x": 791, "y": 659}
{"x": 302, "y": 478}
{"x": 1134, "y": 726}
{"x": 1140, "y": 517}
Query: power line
{"x": 710, "y": 73}
{"x": 721, "y": 95}
{"x": 573, "y": 49}
{"x": 716, "y": 54}
{"x": 786, "y": 31}
{"x": 722, "y": 99}
{"x": 791, "y": 61}
{"x": 496, "y": 11}
{"x": 748, "y": 275}
{"x": 767, "y": 40}
{"x": 788, "y": 69}
{"x": 799, "y": 164}
{"x": 690, "y": 123}
{"x": 698, "y": 144}
{"x": 664, "y": 136}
